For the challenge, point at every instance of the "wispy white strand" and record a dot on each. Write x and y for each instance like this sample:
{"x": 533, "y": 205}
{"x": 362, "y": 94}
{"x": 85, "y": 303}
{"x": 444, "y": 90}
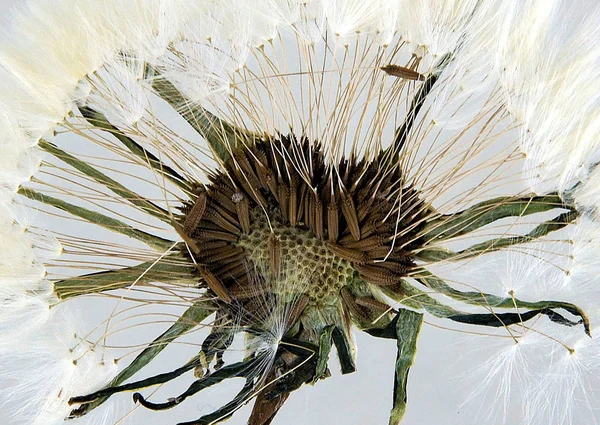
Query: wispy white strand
{"x": 439, "y": 27}
{"x": 18, "y": 160}
{"x": 537, "y": 54}
{"x": 377, "y": 18}
{"x": 566, "y": 388}
{"x": 587, "y": 194}
{"x": 43, "y": 369}
{"x": 120, "y": 80}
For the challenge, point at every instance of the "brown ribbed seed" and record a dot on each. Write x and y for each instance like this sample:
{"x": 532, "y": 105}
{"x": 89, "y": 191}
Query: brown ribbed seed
{"x": 348, "y": 254}
{"x": 372, "y": 304}
{"x": 364, "y": 208}
{"x": 297, "y": 310}
{"x": 318, "y": 217}
{"x": 284, "y": 200}
{"x": 254, "y": 193}
{"x": 293, "y": 208}
{"x": 367, "y": 244}
{"x": 221, "y": 254}
{"x": 189, "y": 241}
{"x": 194, "y": 216}
{"x": 272, "y": 184}
{"x": 274, "y": 255}
{"x": 376, "y": 275}
{"x": 394, "y": 267}
{"x": 302, "y": 204}
{"x": 233, "y": 268}
{"x": 244, "y": 292}
{"x": 215, "y": 234}
{"x": 243, "y": 210}
{"x": 403, "y": 72}
{"x": 260, "y": 165}
{"x": 349, "y": 212}
{"x": 309, "y": 211}
{"x": 333, "y": 211}
{"x": 222, "y": 219}
{"x": 350, "y": 304}
{"x": 223, "y": 199}
{"x": 247, "y": 171}
{"x": 212, "y": 245}
{"x": 214, "y": 283}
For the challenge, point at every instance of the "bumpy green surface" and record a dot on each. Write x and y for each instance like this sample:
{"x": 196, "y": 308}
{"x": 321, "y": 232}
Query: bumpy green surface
{"x": 307, "y": 265}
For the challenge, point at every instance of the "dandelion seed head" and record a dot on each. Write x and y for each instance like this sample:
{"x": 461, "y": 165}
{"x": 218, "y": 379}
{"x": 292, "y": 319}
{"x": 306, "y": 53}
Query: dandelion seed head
{"x": 319, "y": 163}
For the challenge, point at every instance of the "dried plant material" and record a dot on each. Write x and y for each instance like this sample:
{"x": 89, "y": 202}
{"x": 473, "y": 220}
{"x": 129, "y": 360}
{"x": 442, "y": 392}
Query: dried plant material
{"x": 403, "y": 72}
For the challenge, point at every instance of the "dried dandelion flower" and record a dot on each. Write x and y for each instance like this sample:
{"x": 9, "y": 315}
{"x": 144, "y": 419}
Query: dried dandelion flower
{"x": 204, "y": 191}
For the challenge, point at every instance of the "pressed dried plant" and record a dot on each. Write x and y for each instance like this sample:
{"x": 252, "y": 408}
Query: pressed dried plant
{"x": 244, "y": 186}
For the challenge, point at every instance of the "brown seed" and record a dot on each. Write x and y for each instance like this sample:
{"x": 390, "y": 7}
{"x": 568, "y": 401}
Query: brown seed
{"x": 297, "y": 310}
{"x": 395, "y": 267}
{"x": 372, "y": 304}
{"x": 208, "y": 246}
{"x": 379, "y": 253}
{"x": 274, "y": 255}
{"x": 235, "y": 268}
{"x": 375, "y": 226}
{"x": 350, "y": 303}
{"x": 284, "y": 200}
{"x": 272, "y": 184}
{"x": 244, "y": 292}
{"x": 260, "y": 161}
{"x": 309, "y": 210}
{"x": 302, "y": 203}
{"x": 318, "y": 219}
{"x": 403, "y": 72}
{"x": 221, "y": 254}
{"x": 293, "y": 208}
{"x": 222, "y": 198}
{"x": 222, "y": 219}
{"x": 245, "y": 172}
{"x": 214, "y": 283}
{"x": 243, "y": 210}
{"x": 348, "y": 254}
{"x": 254, "y": 193}
{"x": 367, "y": 244}
{"x": 263, "y": 175}
{"x": 240, "y": 279}
{"x": 186, "y": 238}
{"x": 194, "y": 216}
{"x": 377, "y": 275}
{"x": 333, "y": 212}
{"x": 364, "y": 208}
{"x": 215, "y": 235}
{"x": 349, "y": 212}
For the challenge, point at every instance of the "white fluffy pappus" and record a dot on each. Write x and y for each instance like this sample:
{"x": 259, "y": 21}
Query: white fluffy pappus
{"x": 587, "y": 194}
{"x": 551, "y": 372}
{"x": 528, "y": 377}
{"x": 537, "y": 52}
{"x": 46, "y": 368}
{"x": 566, "y": 388}
{"x": 25, "y": 297}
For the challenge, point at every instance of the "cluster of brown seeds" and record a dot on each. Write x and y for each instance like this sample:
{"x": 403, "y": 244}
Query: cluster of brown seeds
{"x": 279, "y": 211}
